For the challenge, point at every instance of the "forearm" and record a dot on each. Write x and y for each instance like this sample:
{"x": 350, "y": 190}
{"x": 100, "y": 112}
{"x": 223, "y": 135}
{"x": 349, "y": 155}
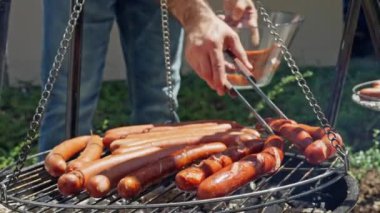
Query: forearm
{"x": 190, "y": 12}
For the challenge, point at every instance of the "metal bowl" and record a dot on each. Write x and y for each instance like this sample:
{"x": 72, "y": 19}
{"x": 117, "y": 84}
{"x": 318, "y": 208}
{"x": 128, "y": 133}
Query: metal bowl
{"x": 365, "y": 101}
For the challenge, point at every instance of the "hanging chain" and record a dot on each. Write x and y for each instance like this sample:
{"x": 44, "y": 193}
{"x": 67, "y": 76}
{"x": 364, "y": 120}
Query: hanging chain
{"x": 32, "y": 133}
{"x": 167, "y": 57}
{"x": 303, "y": 85}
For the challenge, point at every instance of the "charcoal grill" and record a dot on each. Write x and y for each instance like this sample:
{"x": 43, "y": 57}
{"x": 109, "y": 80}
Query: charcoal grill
{"x": 296, "y": 186}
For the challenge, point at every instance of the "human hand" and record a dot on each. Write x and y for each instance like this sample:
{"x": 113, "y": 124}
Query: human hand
{"x": 242, "y": 13}
{"x": 206, "y": 41}
{"x": 207, "y": 37}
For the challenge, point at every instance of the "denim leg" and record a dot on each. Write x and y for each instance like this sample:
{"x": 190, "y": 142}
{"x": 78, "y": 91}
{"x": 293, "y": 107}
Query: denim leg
{"x": 141, "y": 37}
{"x": 98, "y": 19}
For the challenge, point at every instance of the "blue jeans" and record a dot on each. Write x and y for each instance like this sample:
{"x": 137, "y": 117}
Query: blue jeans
{"x": 139, "y": 23}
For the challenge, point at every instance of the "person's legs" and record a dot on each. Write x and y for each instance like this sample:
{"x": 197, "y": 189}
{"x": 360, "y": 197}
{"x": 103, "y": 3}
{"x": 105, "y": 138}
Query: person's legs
{"x": 141, "y": 37}
{"x": 98, "y": 20}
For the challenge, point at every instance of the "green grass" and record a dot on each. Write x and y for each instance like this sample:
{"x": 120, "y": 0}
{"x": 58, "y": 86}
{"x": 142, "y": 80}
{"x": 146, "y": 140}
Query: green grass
{"x": 197, "y": 101}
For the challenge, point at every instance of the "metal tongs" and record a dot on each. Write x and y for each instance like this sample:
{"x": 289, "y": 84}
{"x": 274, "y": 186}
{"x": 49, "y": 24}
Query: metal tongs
{"x": 241, "y": 68}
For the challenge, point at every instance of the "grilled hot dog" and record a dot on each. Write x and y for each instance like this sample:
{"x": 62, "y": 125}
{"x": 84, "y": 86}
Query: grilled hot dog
{"x": 241, "y": 172}
{"x": 55, "y": 161}
{"x": 91, "y": 152}
{"x": 190, "y": 178}
{"x": 133, "y": 184}
{"x": 73, "y": 182}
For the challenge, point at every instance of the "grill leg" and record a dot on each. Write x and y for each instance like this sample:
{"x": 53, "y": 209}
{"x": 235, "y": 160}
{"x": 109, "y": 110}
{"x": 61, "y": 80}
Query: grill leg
{"x": 343, "y": 59}
{"x": 73, "y": 89}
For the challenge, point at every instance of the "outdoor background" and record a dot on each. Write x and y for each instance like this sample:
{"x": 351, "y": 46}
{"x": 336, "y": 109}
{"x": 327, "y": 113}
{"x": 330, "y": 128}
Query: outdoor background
{"x": 315, "y": 48}
{"x": 316, "y": 43}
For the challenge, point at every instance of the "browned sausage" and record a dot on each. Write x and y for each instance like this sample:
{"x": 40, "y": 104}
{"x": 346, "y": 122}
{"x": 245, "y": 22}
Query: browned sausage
{"x": 296, "y": 135}
{"x": 190, "y": 178}
{"x": 93, "y": 151}
{"x": 318, "y": 132}
{"x": 73, "y": 182}
{"x": 145, "y": 138}
{"x": 321, "y": 150}
{"x": 239, "y": 173}
{"x": 373, "y": 92}
{"x": 100, "y": 185}
{"x": 275, "y": 124}
{"x": 55, "y": 161}
{"x": 315, "y": 132}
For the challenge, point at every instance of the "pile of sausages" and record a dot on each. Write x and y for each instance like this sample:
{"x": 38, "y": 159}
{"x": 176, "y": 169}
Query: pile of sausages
{"x": 212, "y": 157}
{"x": 370, "y": 93}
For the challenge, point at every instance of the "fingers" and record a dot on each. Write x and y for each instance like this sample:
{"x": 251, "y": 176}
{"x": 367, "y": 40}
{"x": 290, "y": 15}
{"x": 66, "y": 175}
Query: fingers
{"x": 241, "y": 6}
{"x": 218, "y": 69}
{"x": 237, "y": 8}
{"x": 255, "y": 36}
{"x": 234, "y": 45}
{"x": 207, "y": 72}
{"x": 252, "y": 22}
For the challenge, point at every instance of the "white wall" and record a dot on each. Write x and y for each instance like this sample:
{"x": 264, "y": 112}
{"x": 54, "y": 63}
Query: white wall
{"x": 316, "y": 43}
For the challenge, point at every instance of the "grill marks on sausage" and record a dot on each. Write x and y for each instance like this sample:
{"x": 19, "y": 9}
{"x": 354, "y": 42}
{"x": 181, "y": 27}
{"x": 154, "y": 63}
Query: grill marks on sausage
{"x": 239, "y": 173}
{"x": 135, "y": 182}
{"x": 149, "y": 153}
{"x": 190, "y": 178}
{"x": 309, "y": 140}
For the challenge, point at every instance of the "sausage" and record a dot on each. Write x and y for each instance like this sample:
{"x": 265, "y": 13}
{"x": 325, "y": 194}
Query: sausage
{"x": 321, "y": 150}
{"x": 55, "y": 161}
{"x": 251, "y": 131}
{"x": 120, "y": 132}
{"x": 229, "y": 138}
{"x": 149, "y": 137}
{"x": 100, "y": 185}
{"x": 368, "y": 93}
{"x": 275, "y": 124}
{"x": 93, "y": 151}
{"x": 376, "y": 84}
{"x": 123, "y": 132}
{"x": 74, "y": 181}
{"x": 315, "y": 132}
{"x": 158, "y": 131}
{"x": 318, "y": 133}
{"x": 190, "y": 178}
{"x": 239, "y": 173}
{"x": 296, "y": 135}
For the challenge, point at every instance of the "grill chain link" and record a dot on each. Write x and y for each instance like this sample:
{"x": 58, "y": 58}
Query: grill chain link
{"x": 32, "y": 133}
{"x": 342, "y": 152}
{"x": 167, "y": 57}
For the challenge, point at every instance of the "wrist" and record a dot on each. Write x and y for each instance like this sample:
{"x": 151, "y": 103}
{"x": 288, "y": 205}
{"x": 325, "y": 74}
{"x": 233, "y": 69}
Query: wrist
{"x": 191, "y": 13}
